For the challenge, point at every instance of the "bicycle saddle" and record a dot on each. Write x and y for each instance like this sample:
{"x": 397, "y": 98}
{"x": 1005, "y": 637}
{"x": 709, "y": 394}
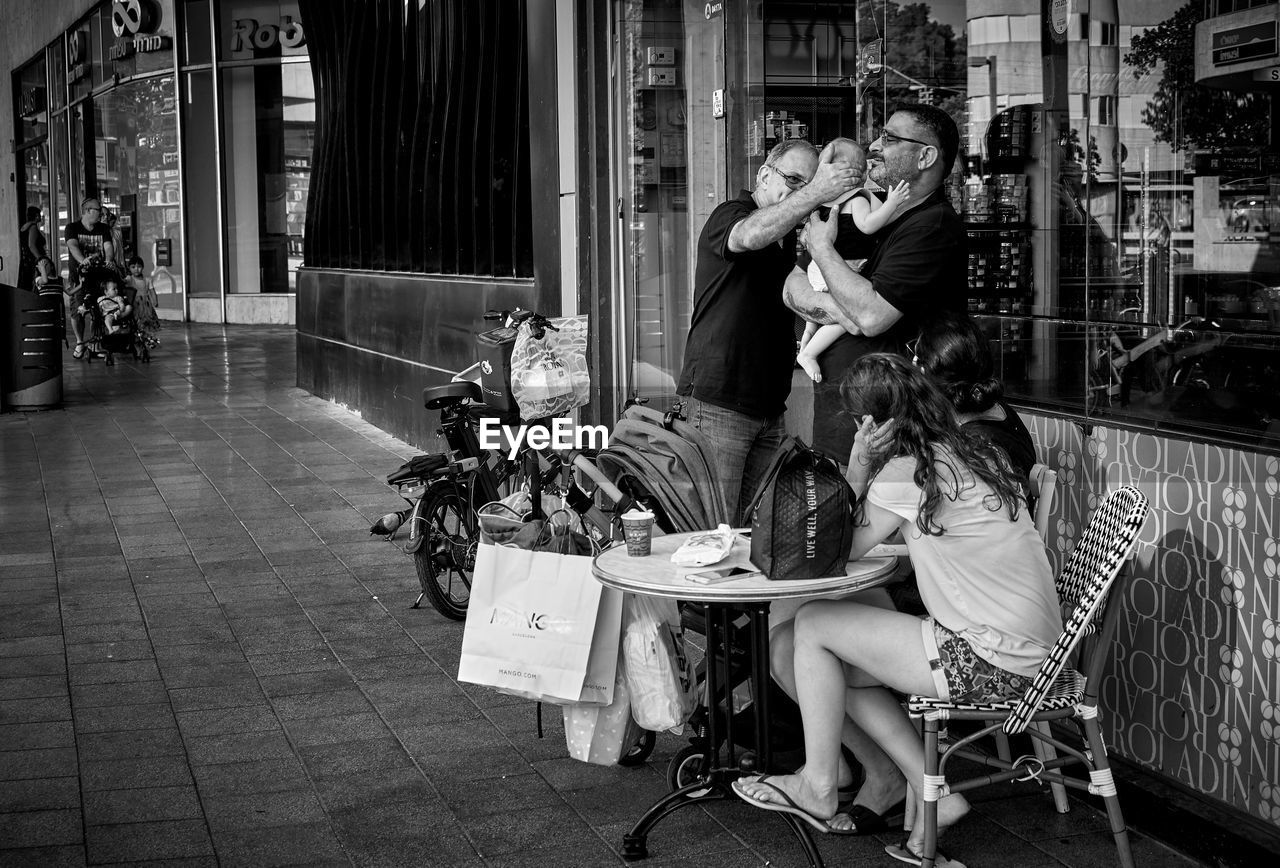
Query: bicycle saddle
{"x": 438, "y": 397}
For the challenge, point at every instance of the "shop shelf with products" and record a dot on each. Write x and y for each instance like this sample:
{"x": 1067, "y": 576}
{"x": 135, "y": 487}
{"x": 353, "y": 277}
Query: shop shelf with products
{"x": 997, "y": 217}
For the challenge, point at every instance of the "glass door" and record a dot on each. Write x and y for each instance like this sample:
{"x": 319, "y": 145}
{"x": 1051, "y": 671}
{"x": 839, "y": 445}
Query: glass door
{"x": 669, "y": 156}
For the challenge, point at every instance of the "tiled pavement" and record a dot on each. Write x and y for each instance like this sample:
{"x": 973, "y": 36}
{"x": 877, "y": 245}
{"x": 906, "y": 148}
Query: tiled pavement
{"x": 205, "y": 659}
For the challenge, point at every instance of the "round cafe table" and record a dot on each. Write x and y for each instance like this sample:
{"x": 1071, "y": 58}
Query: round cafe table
{"x": 723, "y": 603}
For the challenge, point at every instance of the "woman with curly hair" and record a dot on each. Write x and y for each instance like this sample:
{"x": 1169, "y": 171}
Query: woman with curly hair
{"x": 984, "y": 579}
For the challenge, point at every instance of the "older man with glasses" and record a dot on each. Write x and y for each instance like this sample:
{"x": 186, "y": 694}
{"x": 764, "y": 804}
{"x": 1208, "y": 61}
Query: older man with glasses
{"x": 741, "y": 346}
{"x": 85, "y": 238}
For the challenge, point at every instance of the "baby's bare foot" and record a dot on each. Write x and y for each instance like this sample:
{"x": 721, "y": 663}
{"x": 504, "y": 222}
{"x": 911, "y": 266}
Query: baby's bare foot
{"x": 811, "y": 367}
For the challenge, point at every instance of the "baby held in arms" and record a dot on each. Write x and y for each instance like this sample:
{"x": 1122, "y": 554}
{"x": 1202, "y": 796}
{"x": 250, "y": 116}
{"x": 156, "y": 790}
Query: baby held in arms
{"x": 869, "y": 215}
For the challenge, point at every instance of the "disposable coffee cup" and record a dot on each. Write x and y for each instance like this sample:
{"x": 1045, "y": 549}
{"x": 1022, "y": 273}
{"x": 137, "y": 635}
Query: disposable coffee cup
{"x": 637, "y": 529}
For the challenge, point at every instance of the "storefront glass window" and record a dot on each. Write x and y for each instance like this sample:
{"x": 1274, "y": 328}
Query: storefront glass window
{"x": 57, "y": 56}
{"x": 31, "y": 99}
{"x": 100, "y": 26}
{"x": 260, "y": 29}
{"x": 136, "y": 143}
{"x": 200, "y": 161}
{"x": 80, "y": 60}
{"x": 197, "y": 40}
{"x": 1149, "y": 201}
{"x": 60, "y": 214}
{"x": 1188, "y": 186}
{"x": 81, "y": 170}
{"x": 34, "y": 160}
{"x": 1123, "y": 216}
{"x": 268, "y": 129}
{"x": 673, "y": 175}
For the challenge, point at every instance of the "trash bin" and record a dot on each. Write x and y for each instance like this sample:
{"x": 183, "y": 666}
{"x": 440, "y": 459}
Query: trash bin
{"x": 31, "y": 355}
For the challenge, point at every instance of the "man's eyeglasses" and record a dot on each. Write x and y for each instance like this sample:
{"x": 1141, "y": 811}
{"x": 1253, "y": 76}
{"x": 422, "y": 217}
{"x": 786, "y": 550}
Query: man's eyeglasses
{"x": 794, "y": 182}
{"x": 892, "y": 138}
{"x": 93, "y": 210}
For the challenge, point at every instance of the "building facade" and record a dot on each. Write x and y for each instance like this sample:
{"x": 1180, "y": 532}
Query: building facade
{"x": 386, "y": 172}
{"x": 191, "y": 120}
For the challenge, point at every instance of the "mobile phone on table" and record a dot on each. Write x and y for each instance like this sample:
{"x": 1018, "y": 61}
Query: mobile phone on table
{"x": 724, "y": 574}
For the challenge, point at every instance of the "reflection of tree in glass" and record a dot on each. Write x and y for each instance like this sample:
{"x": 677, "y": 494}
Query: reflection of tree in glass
{"x": 1181, "y": 112}
{"x": 916, "y": 46}
{"x": 146, "y": 109}
{"x": 1070, "y": 142}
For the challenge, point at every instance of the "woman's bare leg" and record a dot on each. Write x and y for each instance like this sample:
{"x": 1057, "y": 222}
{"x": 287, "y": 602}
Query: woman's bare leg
{"x": 884, "y": 647}
{"x": 883, "y": 784}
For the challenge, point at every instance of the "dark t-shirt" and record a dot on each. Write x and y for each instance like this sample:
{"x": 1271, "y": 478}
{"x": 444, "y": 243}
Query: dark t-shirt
{"x": 919, "y": 266}
{"x": 91, "y": 241}
{"x": 741, "y": 347}
{"x": 851, "y": 242}
{"x": 1009, "y": 436}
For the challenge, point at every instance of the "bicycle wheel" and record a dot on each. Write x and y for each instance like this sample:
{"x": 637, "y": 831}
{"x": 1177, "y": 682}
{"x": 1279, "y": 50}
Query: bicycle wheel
{"x": 447, "y": 554}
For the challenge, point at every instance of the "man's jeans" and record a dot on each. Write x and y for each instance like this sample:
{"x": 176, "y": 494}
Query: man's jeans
{"x": 741, "y": 449}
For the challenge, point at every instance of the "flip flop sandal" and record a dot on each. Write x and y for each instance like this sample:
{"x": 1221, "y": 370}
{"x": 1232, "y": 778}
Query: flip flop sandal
{"x": 903, "y": 853}
{"x": 78, "y": 352}
{"x": 789, "y": 808}
{"x": 866, "y": 821}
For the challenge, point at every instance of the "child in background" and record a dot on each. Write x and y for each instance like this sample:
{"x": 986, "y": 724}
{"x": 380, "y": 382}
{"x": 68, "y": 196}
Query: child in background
{"x": 45, "y": 273}
{"x": 869, "y": 215}
{"x": 113, "y": 307}
{"x": 145, "y": 303}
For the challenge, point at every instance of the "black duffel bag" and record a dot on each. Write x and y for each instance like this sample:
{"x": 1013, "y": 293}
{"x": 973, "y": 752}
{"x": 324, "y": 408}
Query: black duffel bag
{"x": 802, "y": 516}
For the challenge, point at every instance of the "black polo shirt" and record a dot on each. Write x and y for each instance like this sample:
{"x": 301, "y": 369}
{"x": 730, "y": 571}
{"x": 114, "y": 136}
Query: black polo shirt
{"x": 919, "y": 266}
{"x": 741, "y": 347}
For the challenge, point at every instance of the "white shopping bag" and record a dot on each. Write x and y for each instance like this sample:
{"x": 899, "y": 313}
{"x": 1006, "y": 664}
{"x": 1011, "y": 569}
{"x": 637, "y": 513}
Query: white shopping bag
{"x": 597, "y": 734}
{"x": 660, "y": 677}
{"x": 540, "y": 626}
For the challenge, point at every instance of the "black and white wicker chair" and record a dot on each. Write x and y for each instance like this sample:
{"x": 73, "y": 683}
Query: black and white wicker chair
{"x": 1057, "y": 692}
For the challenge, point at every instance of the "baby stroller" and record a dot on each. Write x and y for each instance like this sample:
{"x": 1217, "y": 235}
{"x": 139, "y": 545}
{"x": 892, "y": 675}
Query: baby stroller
{"x": 92, "y": 278}
{"x": 98, "y": 341}
{"x": 659, "y": 459}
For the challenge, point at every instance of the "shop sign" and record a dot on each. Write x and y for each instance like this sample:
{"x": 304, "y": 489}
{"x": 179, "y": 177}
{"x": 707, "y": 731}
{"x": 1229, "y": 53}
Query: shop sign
{"x": 133, "y": 22}
{"x": 142, "y": 45}
{"x": 711, "y": 10}
{"x": 131, "y": 17}
{"x": 29, "y": 102}
{"x": 77, "y": 49}
{"x": 1239, "y": 44}
{"x": 169, "y": 158}
{"x": 164, "y": 252}
{"x": 248, "y": 35}
{"x": 1237, "y": 164}
{"x": 1059, "y": 15}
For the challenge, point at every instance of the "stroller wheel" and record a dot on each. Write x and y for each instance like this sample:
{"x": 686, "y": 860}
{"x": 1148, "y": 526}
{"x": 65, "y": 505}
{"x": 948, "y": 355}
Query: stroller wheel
{"x": 686, "y": 768}
{"x": 639, "y": 752}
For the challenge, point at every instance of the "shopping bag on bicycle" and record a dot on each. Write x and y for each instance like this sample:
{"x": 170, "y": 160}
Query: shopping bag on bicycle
{"x": 660, "y": 677}
{"x": 549, "y": 375}
{"x": 538, "y": 624}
